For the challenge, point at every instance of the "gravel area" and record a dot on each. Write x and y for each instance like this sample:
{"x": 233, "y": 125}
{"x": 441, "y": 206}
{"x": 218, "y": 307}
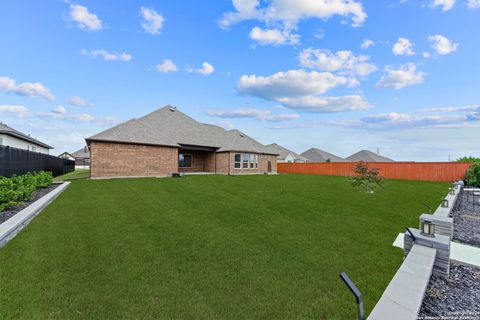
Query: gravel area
{"x": 466, "y": 220}
{"x": 455, "y": 298}
{"x": 10, "y": 212}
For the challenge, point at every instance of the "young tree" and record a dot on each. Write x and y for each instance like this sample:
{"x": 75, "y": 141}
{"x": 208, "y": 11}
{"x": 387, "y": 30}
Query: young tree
{"x": 366, "y": 179}
{"x": 473, "y": 175}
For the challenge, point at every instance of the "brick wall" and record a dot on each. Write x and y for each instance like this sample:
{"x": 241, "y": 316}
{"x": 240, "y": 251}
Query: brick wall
{"x": 131, "y": 160}
{"x": 223, "y": 163}
{"x": 226, "y": 164}
{"x": 209, "y": 162}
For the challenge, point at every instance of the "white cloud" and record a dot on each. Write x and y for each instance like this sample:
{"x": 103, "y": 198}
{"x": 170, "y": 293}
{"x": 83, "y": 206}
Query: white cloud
{"x": 473, "y": 107}
{"x": 405, "y": 75}
{"x": 26, "y": 89}
{"x": 79, "y": 102}
{"x": 343, "y": 61}
{"x": 206, "y": 69}
{"x": 82, "y": 117}
{"x": 84, "y": 18}
{"x": 258, "y": 114}
{"x": 152, "y": 21}
{"x": 289, "y": 12}
{"x": 19, "y": 111}
{"x": 443, "y": 118}
{"x": 444, "y": 4}
{"x": 473, "y": 4}
{"x": 107, "y": 56}
{"x": 442, "y": 45}
{"x": 367, "y": 43}
{"x": 426, "y": 54}
{"x": 302, "y": 90}
{"x": 166, "y": 66}
{"x": 60, "y": 110}
{"x": 403, "y": 47}
{"x": 321, "y": 104}
{"x": 274, "y": 36}
{"x": 402, "y": 119}
{"x": 289, "y": 83}
{"x": 225, "y": 124}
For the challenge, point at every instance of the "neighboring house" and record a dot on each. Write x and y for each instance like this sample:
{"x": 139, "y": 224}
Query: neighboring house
{"x": 82, "y": 158}
{"x": 167, "y": 141}
{"x": 285, "y": 155}
{"x": 16, "y": 139}
{"x": 67, "y": 156}
{"x": 317, "y": 155}
{"x": 368, "y": 156}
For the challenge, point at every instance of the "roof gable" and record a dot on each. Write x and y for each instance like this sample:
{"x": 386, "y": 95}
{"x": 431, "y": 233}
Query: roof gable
{"x": 368, "y": 156}
{"x": 170, "y": 127}
{"x": 15, "y": 133}
{"x": 284, "y": 152}
{"x": 318, "y": 155}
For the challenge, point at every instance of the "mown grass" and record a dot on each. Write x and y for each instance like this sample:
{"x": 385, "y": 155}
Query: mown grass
{"x": 209, "y": 247}
{"x": 77, "y": 174}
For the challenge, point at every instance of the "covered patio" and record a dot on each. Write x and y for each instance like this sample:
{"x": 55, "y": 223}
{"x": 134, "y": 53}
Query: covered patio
{"x": 196, "y": 159}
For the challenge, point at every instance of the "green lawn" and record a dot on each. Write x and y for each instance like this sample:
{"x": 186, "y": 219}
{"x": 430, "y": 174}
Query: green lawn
{"x": 77, "y": 174}
{"x": 209, "y": 247}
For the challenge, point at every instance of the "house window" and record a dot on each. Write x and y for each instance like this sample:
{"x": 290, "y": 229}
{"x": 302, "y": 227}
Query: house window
{"x": 246, "y": 161}
{"x": 34, "y": 148}
{"x": 184, "y": 160}
{"x": 1, "y": 141}
{"x": 238, "y": 158}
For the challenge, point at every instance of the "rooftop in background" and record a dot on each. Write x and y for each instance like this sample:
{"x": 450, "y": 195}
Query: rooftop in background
{"x": 15, "y": 133}
{"x": 170, "y": 127}
{"x": 82, "y": 153}
{"x": 368, "y": 156}
{"x": 284, "y": 152}
{"x": 317, "y": 155}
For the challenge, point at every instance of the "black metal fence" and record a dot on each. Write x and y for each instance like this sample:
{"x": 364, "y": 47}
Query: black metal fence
{"x": 19, "y": 161}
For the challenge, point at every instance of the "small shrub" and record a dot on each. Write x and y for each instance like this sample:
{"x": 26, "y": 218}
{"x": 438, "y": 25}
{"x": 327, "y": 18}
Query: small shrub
{"x": 473, "y": 175}
{"x": 21, "y": 188}
{"x": 44, "y": 179}
{"x": 366, "y": 179}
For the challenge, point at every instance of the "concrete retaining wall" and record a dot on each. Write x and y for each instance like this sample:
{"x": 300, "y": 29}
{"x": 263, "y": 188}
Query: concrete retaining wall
{"x": 10, "y": 228}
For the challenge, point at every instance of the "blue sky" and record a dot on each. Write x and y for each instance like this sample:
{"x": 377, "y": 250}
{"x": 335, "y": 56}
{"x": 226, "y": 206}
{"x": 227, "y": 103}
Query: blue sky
{"x": 401, "y": 76}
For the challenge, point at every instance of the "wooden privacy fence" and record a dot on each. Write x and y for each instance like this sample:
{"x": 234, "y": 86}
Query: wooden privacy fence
{"x": 15, "y": 161}
{"x": 431, "y": 171}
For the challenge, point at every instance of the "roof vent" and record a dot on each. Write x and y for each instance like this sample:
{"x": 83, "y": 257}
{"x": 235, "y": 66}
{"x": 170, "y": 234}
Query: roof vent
{"x": 242, "y": 135}
{"x": 172, "y": 109}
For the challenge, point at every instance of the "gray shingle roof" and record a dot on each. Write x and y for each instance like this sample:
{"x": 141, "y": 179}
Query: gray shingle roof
{"x": 368, "y": 156}
{"x": 284, "y": 152}
{"x": 15, "y": 133}
{"x": 317, "y": 155}
{"x": 170, "y": 127}
{"x": 82, "y": 153}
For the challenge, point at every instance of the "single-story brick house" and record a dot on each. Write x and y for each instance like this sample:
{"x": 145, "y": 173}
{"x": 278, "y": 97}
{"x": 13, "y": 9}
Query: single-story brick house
{"x": 168, "y": 141}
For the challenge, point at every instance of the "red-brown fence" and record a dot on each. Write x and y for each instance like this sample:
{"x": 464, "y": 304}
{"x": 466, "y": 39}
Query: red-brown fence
{"x": 431, "y": 171}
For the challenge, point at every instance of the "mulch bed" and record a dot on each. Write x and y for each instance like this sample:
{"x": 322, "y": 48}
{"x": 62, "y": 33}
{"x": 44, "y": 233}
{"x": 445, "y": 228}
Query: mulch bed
{"x": 455, "y": 298}
{"x": 466, "y": 220}
{"x": 10, "y": 212}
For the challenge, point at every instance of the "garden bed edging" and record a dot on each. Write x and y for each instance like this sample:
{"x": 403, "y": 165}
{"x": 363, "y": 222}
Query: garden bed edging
{"x": 11, "y": 227}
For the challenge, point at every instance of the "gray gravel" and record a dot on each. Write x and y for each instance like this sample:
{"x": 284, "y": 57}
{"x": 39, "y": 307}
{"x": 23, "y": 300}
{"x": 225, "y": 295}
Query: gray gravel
{"x": 455, "y": 298}
{"x": 466, "y": 220}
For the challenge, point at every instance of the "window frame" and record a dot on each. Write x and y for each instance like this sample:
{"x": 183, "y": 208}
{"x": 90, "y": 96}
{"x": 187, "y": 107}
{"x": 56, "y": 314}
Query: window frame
{"x": 191, "y": 160}
{"x": 248, "y": 161}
